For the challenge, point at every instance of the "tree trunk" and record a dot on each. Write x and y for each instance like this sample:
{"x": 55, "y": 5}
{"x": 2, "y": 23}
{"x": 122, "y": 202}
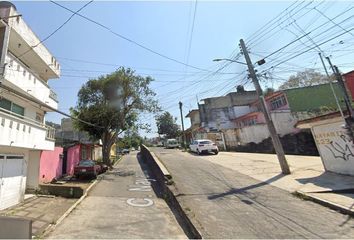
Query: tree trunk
{"x": 106, "y": 149}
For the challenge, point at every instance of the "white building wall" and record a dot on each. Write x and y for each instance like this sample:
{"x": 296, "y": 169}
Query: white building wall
{"x": 238, "y": 111}
{"x": 27, "y": 81}
{"x": 335, "y": 147}
{"x": 33, "y": 169}
{"x": 23, "y": 134}
{"x": 284, "y": 124}
{"x": 256, "y": 133}
{"x": 26, "y": 33}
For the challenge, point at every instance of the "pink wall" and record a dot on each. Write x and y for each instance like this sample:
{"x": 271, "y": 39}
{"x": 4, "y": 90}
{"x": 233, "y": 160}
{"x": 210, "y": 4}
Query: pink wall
{"x": 50, "y": 165}
{"x": 73, "y": 158}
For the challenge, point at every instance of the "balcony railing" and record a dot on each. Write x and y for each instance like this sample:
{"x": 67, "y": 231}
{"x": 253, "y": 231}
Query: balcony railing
{"x": 24, "y": 78}
{"x": 53, "y": 95}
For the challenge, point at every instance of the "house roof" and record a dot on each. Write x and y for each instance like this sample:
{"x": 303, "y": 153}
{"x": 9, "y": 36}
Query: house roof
{"x": 192, "y": 112}
{"x": 307, "y": 123}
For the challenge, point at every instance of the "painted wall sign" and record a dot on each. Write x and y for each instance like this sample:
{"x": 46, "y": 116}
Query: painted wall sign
{"x": 335, "y": 147}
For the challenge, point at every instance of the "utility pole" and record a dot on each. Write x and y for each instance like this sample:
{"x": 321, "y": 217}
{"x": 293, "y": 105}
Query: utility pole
{"x": 184, "y": 134}
{"x": 331, "y": 85}
{"x": 275, "y": 138}
{"x": 349, "y": 120}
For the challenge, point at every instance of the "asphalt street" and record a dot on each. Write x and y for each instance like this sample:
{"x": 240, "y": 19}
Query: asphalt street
{"x": 224, "y": 203}
{"x": 122, "y": 205}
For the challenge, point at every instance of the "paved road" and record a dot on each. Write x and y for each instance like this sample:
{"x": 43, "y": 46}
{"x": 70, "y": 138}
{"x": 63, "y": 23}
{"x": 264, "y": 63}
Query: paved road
{"x": 224, "y": 203}
{"x": 121, "y": 205}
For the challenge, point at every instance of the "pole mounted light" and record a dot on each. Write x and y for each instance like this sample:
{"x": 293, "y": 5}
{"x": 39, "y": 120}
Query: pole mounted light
{"x": 227, "y": 59}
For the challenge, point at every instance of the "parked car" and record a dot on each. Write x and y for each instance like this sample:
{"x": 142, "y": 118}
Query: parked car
{"x": 87, "y": 168}
{"x": 125, "y": 151}
{"x": 103, "y": 166}
{"x": 172, "y": 143}
{"x": 204, "y": 146}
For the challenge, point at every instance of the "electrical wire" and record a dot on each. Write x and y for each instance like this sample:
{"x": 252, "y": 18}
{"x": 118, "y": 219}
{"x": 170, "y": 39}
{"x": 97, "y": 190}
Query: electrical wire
{"x": 128, "y": 39}
{"x": 56, "y": 30}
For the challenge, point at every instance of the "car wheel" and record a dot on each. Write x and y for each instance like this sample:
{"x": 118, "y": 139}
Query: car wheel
{"x": 199, "y": 153}
{"x": 216, "y": 152}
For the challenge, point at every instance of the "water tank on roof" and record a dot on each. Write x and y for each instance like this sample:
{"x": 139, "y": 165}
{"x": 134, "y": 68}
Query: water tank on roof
{"x": 6, "y": 4}
{"x": 5, "y": 8}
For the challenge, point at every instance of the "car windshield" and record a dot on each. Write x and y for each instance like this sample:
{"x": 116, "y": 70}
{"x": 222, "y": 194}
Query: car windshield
{"x": 205, "y": 142}
{"x": 86, "y": 163}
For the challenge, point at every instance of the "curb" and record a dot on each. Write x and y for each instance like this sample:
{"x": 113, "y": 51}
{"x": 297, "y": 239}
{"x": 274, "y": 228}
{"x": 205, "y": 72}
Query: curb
{"x": 324, "y": 203}
{"x": 51, "y": 227}
{"x": 163, "y": 176}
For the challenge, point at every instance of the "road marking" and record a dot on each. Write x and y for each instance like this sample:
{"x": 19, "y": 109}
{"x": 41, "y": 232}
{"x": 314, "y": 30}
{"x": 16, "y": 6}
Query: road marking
{"x": 136, "y": 202}
{"x": 142, "y": 184}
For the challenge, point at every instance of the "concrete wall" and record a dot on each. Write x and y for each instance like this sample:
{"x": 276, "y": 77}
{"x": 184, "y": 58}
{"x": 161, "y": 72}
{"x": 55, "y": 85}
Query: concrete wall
{"x": 283, "y": 121}
{"x": 18, "y": 74}
{"x": 335, "y": 147}
{"x": 33, "y": 169}
{"x": 15, "y": 228}
{"x": 25, "y": 131}
{"x": 50, "y": 165}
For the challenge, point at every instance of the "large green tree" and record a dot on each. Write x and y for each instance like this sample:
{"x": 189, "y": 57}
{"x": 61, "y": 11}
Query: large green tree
{"x": 166, "y": 125}
{"x": 306, "y": 78}
{"x": 111, "y": 104}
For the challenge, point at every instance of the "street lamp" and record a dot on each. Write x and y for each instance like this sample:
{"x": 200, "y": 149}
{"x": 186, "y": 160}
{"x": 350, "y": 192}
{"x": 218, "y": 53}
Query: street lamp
{"x": 271, "y": 128}
{"x": 227, "y": 59}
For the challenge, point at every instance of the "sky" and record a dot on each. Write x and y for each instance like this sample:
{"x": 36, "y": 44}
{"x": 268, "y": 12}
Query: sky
{"x": 191, "y": 32}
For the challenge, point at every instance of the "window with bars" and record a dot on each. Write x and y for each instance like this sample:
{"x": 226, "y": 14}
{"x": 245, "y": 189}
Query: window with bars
{"x": 278, "y": 102}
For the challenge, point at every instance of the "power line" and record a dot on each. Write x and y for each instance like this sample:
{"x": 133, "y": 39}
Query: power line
{"x": 192, "y": 31}
{"x": 56, "y": 30}
{"x": 130, "y": 40}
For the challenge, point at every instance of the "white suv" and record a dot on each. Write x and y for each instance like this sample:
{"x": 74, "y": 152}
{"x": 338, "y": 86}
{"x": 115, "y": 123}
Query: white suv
{"x": 203, "y": 146}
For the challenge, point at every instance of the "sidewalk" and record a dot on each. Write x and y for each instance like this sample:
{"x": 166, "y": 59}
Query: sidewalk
{"x": 308, "y": 177}
{"x": 123, "y": 204}
{"x": 42, "y": 210}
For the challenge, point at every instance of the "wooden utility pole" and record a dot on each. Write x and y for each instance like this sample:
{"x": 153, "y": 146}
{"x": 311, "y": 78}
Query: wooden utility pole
{"x": 184, "y": 134}
{"x": 349, "y": 120}
{"x": 331, "y": 85}
{"x": 273, "y": 134}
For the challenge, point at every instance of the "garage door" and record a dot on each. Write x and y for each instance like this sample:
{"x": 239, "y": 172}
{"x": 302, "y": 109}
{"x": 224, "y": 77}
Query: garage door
{"x": 12, "y": 180}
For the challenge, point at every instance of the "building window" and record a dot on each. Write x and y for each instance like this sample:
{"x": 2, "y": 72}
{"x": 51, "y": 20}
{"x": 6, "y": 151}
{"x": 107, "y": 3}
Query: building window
{"x": 83, "y": 153}
{"x": 12, "y": 107}
{"x": 11, "y": 63}
{"x": 39, "y": 117}
{"x": 3, "y": 122}
{"x": 278, "y": 102}
{"x": 18, "y": 68}
{"x": 18, "y": 126}
{"x": 29, "y": 76}
{"x": 11, "y": 122}
{"x": 29, "y": 129}
{"x": 24, "y": 128}
{"x": 24, "y": 73}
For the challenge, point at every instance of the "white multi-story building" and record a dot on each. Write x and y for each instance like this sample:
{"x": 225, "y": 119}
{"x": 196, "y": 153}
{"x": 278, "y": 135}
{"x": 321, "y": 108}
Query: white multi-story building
{"x": 26, "y": 65}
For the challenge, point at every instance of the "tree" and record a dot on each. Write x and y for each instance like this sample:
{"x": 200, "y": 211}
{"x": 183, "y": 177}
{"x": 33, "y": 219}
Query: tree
{"x": 166, "y": 125}
{"x": 130, "y": 139}
{"x": 110, "y": 104}
{"x": 309, "y": 77}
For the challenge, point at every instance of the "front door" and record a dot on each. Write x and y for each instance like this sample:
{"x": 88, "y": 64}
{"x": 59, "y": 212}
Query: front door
{"x": 65, "y": 162}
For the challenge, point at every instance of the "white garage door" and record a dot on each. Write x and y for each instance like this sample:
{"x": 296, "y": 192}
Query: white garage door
{"x": 12, "y": 180}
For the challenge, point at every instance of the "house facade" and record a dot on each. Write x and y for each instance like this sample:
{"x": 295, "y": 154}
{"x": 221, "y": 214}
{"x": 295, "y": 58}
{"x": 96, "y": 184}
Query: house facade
{"x": 25, "y": 97}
